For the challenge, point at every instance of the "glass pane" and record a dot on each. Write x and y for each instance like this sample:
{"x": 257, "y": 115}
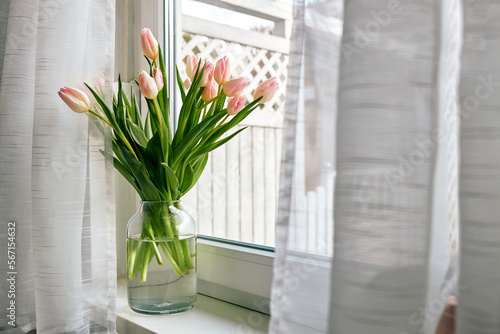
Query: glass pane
{"x": 236, "y": 197}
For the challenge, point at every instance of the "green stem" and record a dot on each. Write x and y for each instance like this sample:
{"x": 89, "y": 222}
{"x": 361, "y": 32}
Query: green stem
{"x": 208, "y": 102}
{"x": 185, "y": 248}
{"x": 187, "y": 254}
{"x": 176, "y": 251}
{"x": 145, "y": 263}
{"x": 205, "y": 138}
{"x": 122, "y": 137}
{"x": 153, "y": 244}
{"x": 131, "y": 259}
{"x": 102, "y": 118}
{"x": 170, "y": 259}
{"x": 177, "y": 248}
{"x": 138, "y": 258}
{"x": 158, "y": 114}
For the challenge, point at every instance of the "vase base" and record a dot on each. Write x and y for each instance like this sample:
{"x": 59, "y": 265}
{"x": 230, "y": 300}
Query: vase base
{"x": 161, "y": 312}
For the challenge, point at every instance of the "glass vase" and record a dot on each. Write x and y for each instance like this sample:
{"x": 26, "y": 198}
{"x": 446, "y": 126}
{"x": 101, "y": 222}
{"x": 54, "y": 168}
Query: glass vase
{"x": 161, "y": 259}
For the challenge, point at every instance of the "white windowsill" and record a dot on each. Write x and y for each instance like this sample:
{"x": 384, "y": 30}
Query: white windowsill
{"x": 208, "y": 316}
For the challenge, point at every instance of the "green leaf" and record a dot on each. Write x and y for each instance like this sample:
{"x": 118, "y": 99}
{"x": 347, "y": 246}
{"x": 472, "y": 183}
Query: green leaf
{"x": 135, "y": 113}
{"x": 154, "y": 146}
{"x": 171, "y": 178}
{"x": 182, "y": 89}
{"x": 147, "y": 126}
{"x": 153, "y": 118}
{"x": 126, "y": 174}
{"x": 107, "y": 112}
{"x": 150, "y": 65}
{"x": 208, "y": 148}
{"x": 163, "y": 94}
{"x": 235, "y": 120}
{"x": 193, "y": 137}
{"x": 189, "y": 103}
{"x": 137, "y": 134}
{"x": 187, "y": 179}
{"x": 176, "y": 194}
{"x": 198, "y": 168}
{"x": 148, "y": 189}
{"x": 124, "y": 171}
{"x": 120, "y": 110}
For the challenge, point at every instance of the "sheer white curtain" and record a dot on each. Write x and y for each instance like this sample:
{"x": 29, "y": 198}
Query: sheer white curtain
{"x": 402, "y": 98}
{"x": 55, "y": 186}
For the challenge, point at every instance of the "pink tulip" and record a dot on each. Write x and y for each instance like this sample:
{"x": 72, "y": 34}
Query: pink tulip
{"x": 208, "y": 74}
{"x": 266, "y": 90}
{"x": 147, "y": 85}
{"x": 77, "y": 100}
{"x": 86, "y": 90}
{"x": 235, "y": 105}
{"x": 235, "y": 86}
{"x": 158, "y": 78}
{"x": 210, "y": 91}
{"x": 222, "y": 72}
{"x": 192, "y": 65}
{"x": 187, "y": 84}
{"x": 98, "y": 82}
{"x": 149, "y": 44}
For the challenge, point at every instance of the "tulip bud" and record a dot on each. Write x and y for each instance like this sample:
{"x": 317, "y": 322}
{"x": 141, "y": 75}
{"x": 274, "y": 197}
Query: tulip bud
{"x": 192, "y": 65}
{"x": 235, "y": 86}
{"x": 147, "y": 85}
{"x": 187, "y": 84}
{"x": 208, "y": 74}
{"x": 149, "y": 44}
{"x": 222, "y": 72}
{"x": 266, "y": 90}
{"x": 158, "y": 78}
{"x": 77, "y": 100}
{"x": 210, "y": 91}
{"x": 235, "y": 105}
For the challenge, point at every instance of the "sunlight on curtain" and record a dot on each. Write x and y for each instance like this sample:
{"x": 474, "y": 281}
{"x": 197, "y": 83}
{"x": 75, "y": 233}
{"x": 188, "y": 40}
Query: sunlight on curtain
{"x": 304, "y": 231}
{"x": 54, "y": 183}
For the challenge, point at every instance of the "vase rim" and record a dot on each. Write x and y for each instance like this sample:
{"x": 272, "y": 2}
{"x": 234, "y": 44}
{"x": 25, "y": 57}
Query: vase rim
{"x": 173, "y": 201}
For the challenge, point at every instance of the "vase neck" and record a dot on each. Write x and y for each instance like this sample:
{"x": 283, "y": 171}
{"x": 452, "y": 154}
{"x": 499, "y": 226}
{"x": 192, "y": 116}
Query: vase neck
{"x": 160, "y": 206}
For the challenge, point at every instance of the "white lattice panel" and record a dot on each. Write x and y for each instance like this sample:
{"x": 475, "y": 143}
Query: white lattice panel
{"x": 236, "y": 196}
{"x": 256, "y": 64}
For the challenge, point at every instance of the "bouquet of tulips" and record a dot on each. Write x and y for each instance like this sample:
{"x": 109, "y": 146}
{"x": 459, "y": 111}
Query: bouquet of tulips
{"x": 163, "y": 165}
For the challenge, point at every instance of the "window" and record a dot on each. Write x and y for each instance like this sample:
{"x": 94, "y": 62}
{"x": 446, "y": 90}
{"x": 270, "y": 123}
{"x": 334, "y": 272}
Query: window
{"x": 236, "y": 197}
{"x": 235, "y": 200}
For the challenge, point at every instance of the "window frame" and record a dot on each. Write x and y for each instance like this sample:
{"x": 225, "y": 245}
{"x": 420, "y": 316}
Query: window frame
{"x": 234, "y": 272}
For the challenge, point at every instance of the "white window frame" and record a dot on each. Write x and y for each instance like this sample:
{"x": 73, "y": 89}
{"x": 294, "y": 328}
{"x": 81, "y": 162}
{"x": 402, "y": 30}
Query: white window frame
{"x": 235, "y": 272}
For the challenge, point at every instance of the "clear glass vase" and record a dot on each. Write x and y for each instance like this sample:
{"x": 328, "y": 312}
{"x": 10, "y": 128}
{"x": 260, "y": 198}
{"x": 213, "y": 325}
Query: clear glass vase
{"x": 161, "y": 259}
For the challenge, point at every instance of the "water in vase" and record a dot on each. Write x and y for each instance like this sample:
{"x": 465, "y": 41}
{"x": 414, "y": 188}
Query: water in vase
{"x": 163, "y": 291}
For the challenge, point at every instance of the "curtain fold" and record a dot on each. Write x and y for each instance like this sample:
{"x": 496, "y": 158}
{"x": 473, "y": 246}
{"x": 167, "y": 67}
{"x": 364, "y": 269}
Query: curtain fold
{"x": 401, "y": 99}
{"x": 54, "y": 183}
{"x": 386, "y": 110}
{"x": 479, "y": 302}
